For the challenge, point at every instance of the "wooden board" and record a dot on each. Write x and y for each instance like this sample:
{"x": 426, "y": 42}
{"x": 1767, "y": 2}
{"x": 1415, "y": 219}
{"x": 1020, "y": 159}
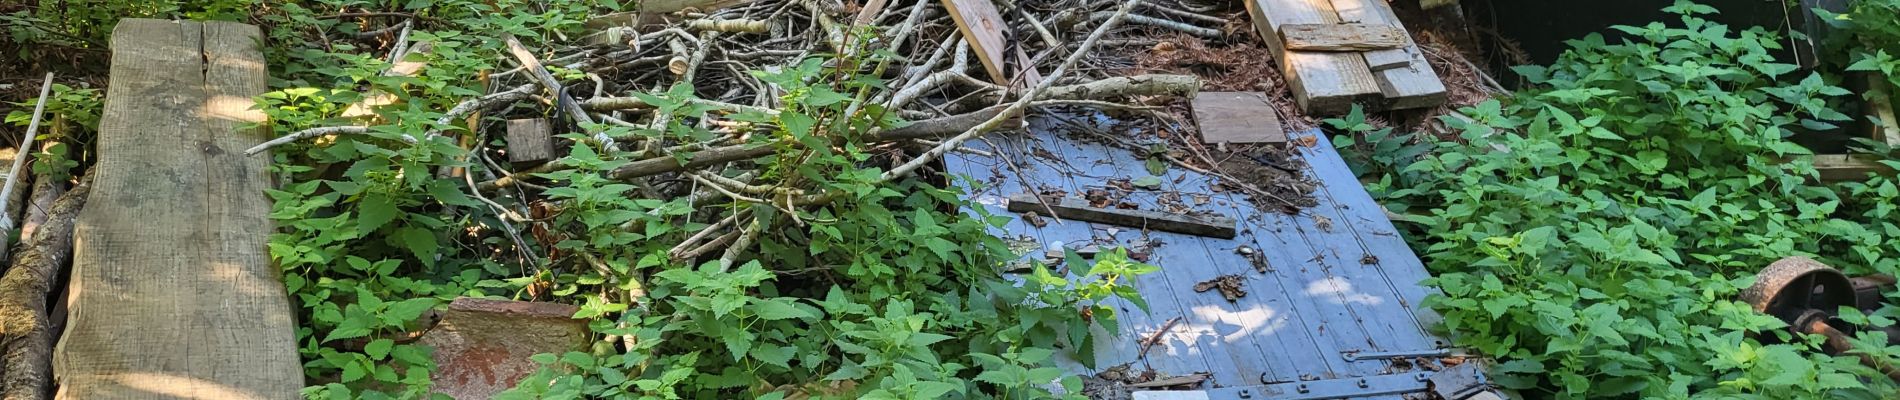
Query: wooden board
{"x": 1849, "y": 167}
{"x": 1323, "y": 83}
{"x": 1352, "y": 36}
{"x": 530, "y": 140}
{"x": 1411, "y": 83}
{"x": 173, "y": 292}
{"x": 983, "y": 28}
{"x": 1077, "y": 209}
{"x": 1297, "y": 318}
{"x": 1236, "y": 117}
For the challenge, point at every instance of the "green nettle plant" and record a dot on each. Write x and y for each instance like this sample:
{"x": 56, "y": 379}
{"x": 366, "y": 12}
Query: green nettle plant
{"x": 1592, "y": 231}
{"x": 1868, "y": 39}
{"x": 866, "y": 289}
{"x": 876, "y": 293}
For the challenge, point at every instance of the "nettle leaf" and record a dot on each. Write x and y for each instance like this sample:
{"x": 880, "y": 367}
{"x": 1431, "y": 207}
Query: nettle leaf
{"x": 780, "y": 356}
{"x": 379, "y": 348}
{"x": 777, "y": 309}
{"x": 374, "y": 211}
{"x": 420, "y": 242}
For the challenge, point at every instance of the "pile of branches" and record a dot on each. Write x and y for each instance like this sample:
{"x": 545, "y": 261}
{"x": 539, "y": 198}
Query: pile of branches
{"x": 932, "y": 74}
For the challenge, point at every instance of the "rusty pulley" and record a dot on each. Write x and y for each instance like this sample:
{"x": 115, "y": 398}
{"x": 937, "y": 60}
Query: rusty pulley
{"x": 1808, "y": 295}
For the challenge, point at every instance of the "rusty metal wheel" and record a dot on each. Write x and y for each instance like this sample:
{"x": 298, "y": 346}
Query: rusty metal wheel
{"x": 1790, "y": 287}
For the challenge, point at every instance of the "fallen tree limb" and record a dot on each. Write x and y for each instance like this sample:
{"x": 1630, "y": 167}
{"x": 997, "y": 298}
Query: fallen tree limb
{"x": 1015, "y": 108}
{"x": 19, "y": 159}
{"x": 1139, "y": 85}
{"x": 24, "y": 330}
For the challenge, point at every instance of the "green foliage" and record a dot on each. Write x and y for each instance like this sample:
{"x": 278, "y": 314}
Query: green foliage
{"x": 868, "y": 290}
{"x": 72, "y": 115}
{"x": 1868, "y": 38}
{"x": 1592, "y": 231}
{"x": 370, "y": 236}
{"x": 855, "y": 287}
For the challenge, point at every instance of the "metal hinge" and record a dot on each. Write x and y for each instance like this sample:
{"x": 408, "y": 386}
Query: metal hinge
{"x": 1461, "y": 382}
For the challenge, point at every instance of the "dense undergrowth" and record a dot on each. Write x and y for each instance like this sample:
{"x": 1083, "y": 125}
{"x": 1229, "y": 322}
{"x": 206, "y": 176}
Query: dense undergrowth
{"x": 1592, "y": 231}
{"x": 886, "y": 291}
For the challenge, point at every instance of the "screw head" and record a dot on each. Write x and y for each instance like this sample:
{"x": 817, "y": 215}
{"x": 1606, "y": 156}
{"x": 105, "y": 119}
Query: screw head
{"x": 1302, "y": 388}
{"x": 1363, "y": 384}
{"x": 1246, "y": 394}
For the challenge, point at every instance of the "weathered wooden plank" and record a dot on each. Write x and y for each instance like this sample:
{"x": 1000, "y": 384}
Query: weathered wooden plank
{"x": 1323, "y": 83}
{"x": 1351, "y": 36}
{"x": 530, "y": 140}
{"x": 1236, "y": 117}
{"x": 983, "y": 28}
{"x": 1077, "y": 209}
{"x": 1410, "y": 82}
{"x": 1242, "y": 340}
{"x": 173, "y": 292}
{"x": 1272, "y": 319}
{"x": 1355, "y": 276}
{"x": 1049, "y": 160}
{"x": 1360, "y": 11}
{"x": 1366, "y": 219}
{"x": 1848, "y": 167}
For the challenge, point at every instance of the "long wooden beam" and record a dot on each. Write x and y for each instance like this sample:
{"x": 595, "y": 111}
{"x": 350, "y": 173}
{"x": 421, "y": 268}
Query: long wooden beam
{"x": 173, "y": 293}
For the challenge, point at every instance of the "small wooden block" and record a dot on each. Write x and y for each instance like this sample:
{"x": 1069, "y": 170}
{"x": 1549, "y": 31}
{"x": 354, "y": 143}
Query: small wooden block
{"x": 1236, "y": 117}
{"x": 1076, "y": 209}
{"x": 530, "y": 140}
{"x": 1342, "y": 37}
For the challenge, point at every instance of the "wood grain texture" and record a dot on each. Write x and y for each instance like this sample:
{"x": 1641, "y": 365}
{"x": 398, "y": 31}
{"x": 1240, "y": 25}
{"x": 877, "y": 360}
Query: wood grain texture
{"x": 1323, "y": 83}
{"x": 983, "y": 28}
{"x": 1297, "y": 317}
{"x": 173, "y": 292}
{"x": 1351, "y": 36}
{"x": 1236, "y": 117}
{"x": 530, "y": 140}
{"x": 1410, "y": 82}
{"x": 1077, "y": 209}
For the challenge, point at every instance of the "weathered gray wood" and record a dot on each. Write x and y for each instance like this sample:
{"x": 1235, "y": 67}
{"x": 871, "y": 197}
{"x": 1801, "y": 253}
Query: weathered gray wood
{"x": 1236, "y": 117}
{"x": 530, "y": 140}
{"x": 1076, "y": 209}
{"x": 1410, "y": 82}
{"x": 982, "y": 27}
{"x": 1351, "y": 36}
{"x": 1365, "y": 219}
{"x": 1323, "y": 83}
{"x": 1288, "y": 328}
{"x": 173, "y": 292}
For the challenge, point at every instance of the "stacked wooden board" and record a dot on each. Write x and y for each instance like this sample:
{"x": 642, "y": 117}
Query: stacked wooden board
{"x": 1335, "y": 53}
